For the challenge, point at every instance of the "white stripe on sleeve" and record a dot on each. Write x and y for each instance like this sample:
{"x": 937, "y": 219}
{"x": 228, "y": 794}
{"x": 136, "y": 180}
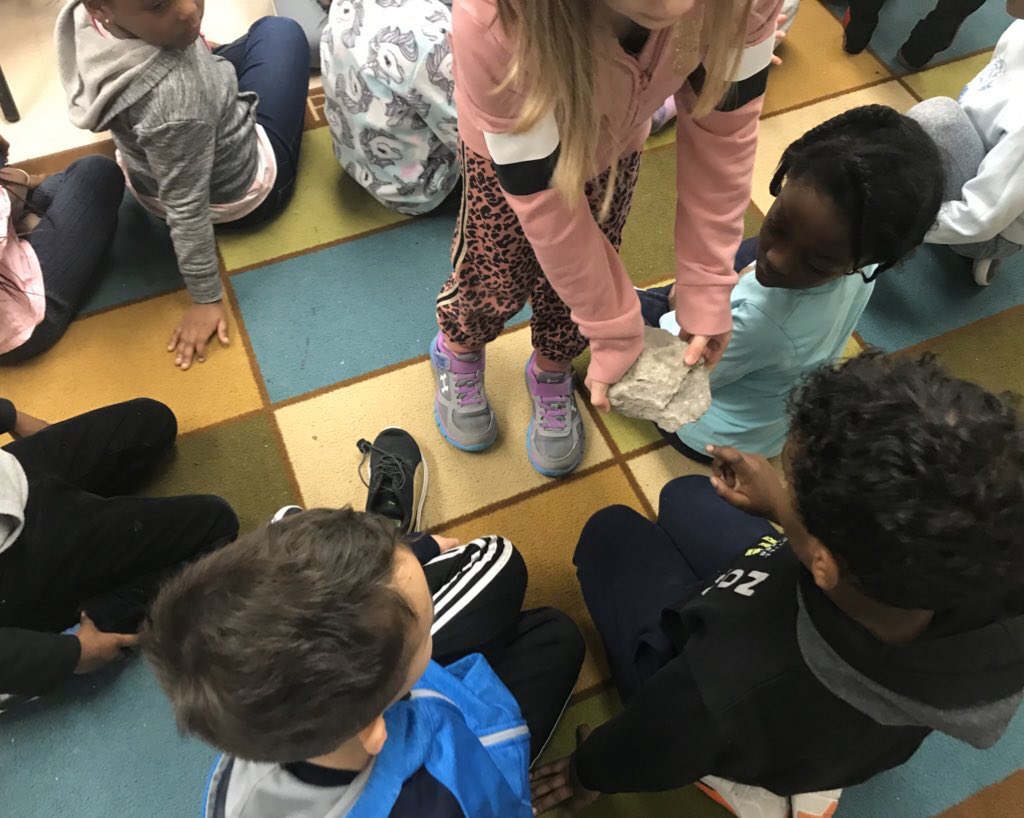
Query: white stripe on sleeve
{"x": 537, "y": 143}
{"x": 755, "y": 58}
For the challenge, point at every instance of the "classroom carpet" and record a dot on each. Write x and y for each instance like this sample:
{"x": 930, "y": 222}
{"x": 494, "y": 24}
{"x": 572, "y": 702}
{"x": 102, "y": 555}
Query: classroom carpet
{"x": 332, "y": 313}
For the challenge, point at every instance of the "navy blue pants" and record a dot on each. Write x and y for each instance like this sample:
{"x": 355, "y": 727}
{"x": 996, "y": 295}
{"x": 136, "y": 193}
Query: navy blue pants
{"x": 79, "y": 208}
{"x": 630, "y": 569}
{"x": 272, "y": 60}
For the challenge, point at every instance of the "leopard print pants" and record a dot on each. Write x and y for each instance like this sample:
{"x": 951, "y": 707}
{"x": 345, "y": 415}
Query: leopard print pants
{"x": 496, "y": 271}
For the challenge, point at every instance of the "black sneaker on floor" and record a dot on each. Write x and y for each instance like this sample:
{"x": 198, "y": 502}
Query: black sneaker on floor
{"x": 285, "y": 511}
{"x": 398, "y": 478}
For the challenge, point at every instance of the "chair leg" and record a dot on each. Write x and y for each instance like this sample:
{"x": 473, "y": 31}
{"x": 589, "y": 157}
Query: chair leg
{"x": 10, "y": 110}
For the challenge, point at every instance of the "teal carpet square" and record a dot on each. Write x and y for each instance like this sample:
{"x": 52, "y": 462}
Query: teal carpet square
{"x": 102, "y": 745}
{"x": 898, "y": 18}
{"x": 140, "y": 262}
{"x": 932, "y": 294}
{"x": 329, "y": 316}
{"x": 942, "y": 773}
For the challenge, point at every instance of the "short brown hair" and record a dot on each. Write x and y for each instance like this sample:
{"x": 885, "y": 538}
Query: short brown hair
{"x": 286, "y": 643}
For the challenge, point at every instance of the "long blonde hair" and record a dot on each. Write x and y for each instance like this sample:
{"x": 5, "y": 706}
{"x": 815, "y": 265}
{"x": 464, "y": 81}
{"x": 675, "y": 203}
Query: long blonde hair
{"x": 554, "y": 65}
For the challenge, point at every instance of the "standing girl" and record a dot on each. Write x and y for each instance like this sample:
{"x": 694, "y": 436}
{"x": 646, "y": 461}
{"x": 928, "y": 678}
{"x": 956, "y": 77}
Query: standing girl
{"x": 554, "y": 100}
{"x": 195, "y": 149}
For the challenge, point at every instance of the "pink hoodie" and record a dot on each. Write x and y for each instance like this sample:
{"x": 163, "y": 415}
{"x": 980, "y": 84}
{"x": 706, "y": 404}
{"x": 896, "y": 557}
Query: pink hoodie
{"x": 715, "y": 159}
{"x": 22, "y": 308}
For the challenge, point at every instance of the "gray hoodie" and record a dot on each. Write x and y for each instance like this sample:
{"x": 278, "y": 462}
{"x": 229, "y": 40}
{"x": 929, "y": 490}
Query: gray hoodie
{"x": 187, "y": 136}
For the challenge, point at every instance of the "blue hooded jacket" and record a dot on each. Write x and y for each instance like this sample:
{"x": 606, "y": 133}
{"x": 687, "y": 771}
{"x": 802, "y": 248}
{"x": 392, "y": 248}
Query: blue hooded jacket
{"x": 459, "y": 739}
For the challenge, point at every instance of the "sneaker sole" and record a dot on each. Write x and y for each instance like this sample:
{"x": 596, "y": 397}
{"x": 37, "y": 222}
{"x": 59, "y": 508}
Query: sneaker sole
{"x": 529, "y": 434}
{"x": 462, "y": 447}
{"x": 714, "y": 796}
{"x": 417, "y": 520}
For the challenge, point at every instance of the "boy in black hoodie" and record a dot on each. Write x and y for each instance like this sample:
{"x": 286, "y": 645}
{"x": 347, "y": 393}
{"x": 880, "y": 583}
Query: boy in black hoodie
{"x": 892, "y": 605}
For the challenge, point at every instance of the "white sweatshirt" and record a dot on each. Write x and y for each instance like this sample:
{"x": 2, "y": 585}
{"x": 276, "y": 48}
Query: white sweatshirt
{"x": 992, "y": 203}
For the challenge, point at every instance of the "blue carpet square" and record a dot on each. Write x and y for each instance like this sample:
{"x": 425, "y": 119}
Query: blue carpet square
{"x": 338, "y": 313}
{"x": 102, "y": 745}
{"x": 942, "y": 773}
{"x": 898, "y": 18}
{"x": 140, "y": 262}
{"x": 933, "y": 294}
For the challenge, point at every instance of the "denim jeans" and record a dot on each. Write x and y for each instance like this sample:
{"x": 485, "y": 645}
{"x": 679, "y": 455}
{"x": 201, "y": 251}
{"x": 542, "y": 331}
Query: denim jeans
{"x": 79, "y": 213}
{"x": 272, "y": 60}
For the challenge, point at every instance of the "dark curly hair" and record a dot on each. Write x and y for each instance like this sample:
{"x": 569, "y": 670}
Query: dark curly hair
{"x": 882, "y": 170}
{"x": 914, "y": 479}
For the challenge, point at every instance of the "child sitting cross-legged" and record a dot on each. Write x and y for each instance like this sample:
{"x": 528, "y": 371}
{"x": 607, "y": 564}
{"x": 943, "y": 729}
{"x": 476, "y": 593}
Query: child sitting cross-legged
{"x": 204, "y": 136}
{"x": 854, "y": 196}
{"x": 778, "y": 668}
{"x": 981, "y": 136}
{"x": 347, "y": 673}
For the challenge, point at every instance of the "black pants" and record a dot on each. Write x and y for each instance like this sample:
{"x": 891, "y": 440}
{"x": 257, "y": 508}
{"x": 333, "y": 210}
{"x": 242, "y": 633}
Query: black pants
{"x": 478, "y": 595}
{"x": 79, "y": 207}
{"x": 83, "y": 547}
{"x": 932, "y": 34}
{"x": 631, "y": 569}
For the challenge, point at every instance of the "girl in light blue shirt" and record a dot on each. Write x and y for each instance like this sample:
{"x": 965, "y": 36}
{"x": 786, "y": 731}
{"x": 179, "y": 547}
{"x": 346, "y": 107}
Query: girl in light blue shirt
{"x": 854, "y": 196}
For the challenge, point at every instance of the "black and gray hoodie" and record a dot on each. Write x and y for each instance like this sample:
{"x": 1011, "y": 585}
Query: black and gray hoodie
{"x": 186, "y": 135}
{"x": 773, "y": 686}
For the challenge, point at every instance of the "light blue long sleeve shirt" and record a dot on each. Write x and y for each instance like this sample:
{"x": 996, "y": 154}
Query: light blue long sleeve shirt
{"x": 778, "y": 336}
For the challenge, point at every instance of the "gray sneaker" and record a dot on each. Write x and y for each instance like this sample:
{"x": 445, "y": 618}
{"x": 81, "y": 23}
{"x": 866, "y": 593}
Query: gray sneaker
{"x": 555, "y": 438}
{"x": 461, "y": 410}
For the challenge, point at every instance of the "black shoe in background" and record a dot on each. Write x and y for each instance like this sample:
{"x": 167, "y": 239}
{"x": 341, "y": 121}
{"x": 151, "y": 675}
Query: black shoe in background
{"x": 397, "y": 481}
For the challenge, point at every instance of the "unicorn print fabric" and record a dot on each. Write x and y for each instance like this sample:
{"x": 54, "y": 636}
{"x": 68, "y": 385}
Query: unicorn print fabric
{"x": 387, "y": 73}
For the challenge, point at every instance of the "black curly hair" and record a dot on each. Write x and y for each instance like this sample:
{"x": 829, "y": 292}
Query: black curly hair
{"x": 914, "y": 479}
{"x": 882, "y": 170}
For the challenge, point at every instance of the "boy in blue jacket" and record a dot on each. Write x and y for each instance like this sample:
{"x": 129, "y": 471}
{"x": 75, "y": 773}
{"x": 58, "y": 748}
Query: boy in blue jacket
{"x": 345, "y": 673}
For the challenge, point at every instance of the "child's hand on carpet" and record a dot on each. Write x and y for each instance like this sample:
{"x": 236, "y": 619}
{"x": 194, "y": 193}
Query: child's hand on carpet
{"x": 446, "y": 543}
{"x": 193, "y": 333}
{"x": 748, "y": 482}
{"x": 25, "y": 425}
{"x": 99, "y": 649}
{"x": 557, "y": 785}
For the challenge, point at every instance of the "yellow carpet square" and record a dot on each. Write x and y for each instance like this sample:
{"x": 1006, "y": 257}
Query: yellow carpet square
{"x": 654, "y": 469}
{"x": 949, "y": 79}
{"x": 545, "y": 529}
{"x": 779, "y": 131}
{"x": 328, "y": 206}
{"x": 814, "y": 64}
{"x": 321, "y": 433}
{"x": 688, "y": 802}
{"x": 986, "y": 352}
{"x": 118, "y": 355}
{"x": 853, "y": 348}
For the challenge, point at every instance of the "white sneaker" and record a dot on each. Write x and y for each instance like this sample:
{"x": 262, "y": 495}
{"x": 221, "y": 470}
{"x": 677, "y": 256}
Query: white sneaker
{"x": 816, "y": 804}
{"x": 985, "y": 270}
{"x": 745, "y": 801}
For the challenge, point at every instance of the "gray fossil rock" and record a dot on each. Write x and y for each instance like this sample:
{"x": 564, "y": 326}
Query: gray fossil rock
{"x": 660, "y": 387}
